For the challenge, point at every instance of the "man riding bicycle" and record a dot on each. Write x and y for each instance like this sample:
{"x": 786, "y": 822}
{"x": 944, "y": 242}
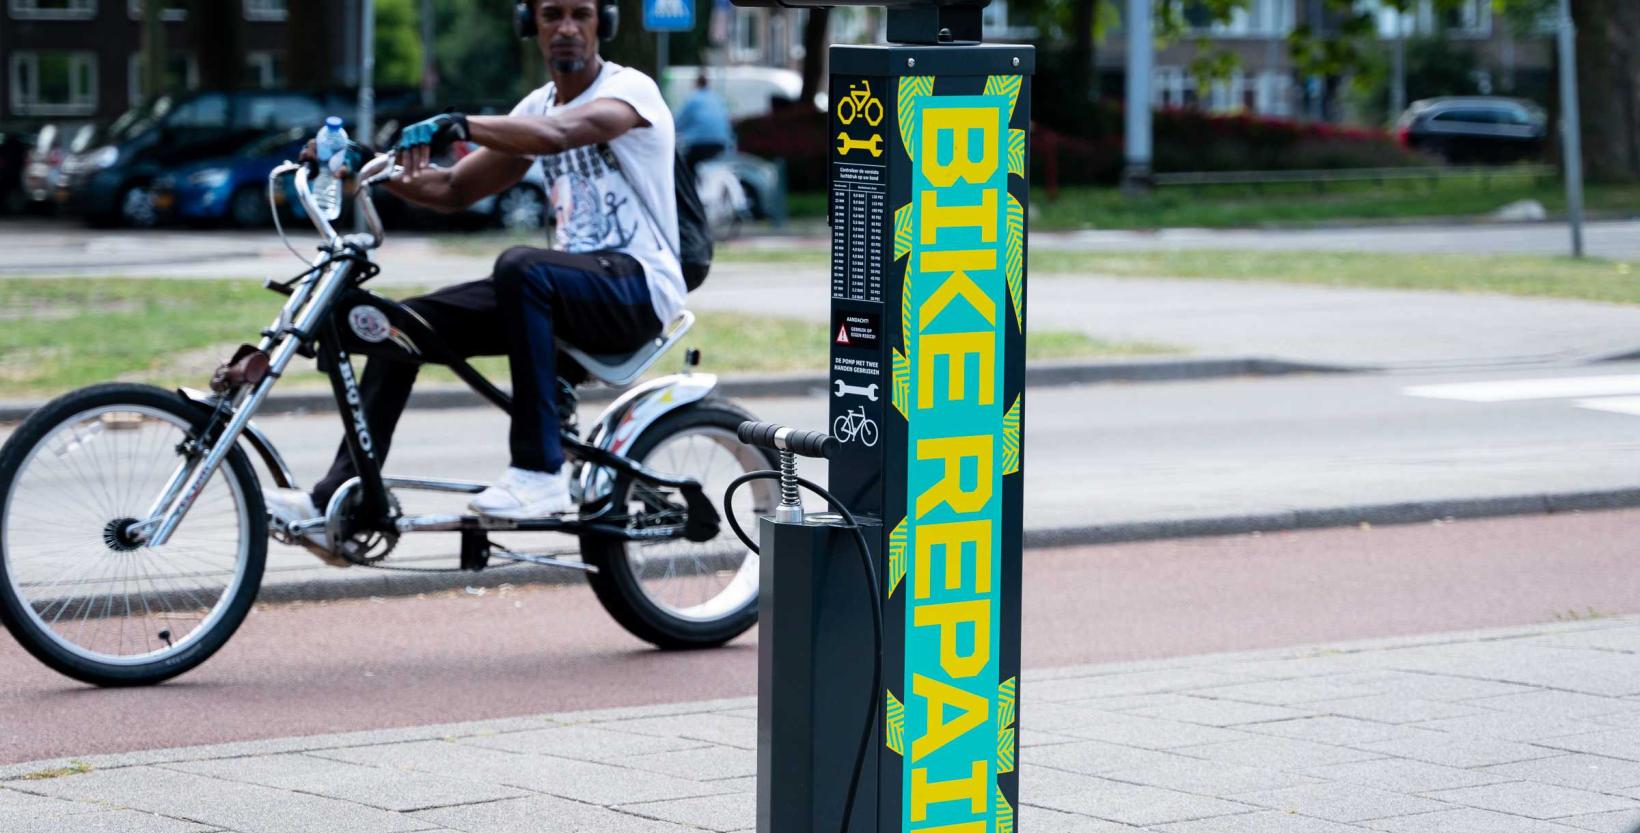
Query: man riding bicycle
{"x": 605, "y": 139}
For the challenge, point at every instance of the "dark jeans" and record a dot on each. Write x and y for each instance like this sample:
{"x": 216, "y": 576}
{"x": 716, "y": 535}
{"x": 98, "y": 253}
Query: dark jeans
{"x": 698, "y": 153}
{"x": 598, "y": 301}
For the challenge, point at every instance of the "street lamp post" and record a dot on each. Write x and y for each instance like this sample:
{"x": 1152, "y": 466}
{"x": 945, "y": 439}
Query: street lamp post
{"x": 1571, "y": 127}
{"x": 1141, "y": 45}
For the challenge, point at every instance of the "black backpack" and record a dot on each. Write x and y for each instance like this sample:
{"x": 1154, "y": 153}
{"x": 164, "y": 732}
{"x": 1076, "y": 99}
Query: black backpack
{"x": 694, "y": 234}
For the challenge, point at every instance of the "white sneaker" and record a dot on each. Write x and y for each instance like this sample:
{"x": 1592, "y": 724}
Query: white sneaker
{"x": 289, "y": 507}
{"x": 521, "y": 494}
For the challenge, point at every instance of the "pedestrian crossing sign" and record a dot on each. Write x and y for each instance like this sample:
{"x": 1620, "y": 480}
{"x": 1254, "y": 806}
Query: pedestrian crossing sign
{"x": 668, "y": 15}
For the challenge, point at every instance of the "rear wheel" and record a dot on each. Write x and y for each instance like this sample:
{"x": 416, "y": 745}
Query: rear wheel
{"x": 679, "y": 593}
{"x": 76, "y": 589}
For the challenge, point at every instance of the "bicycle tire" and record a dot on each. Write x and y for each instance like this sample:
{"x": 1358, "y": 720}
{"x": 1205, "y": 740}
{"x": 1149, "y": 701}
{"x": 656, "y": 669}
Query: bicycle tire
{"x": 223, "y": 619}
{"x": 617, "y": 583}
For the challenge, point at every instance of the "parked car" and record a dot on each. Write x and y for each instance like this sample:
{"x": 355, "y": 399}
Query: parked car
{"x": 43, "y": 166}
{"x": 746, "y": 90}
{"x": 1475, "y": 129}
{"x": 110, "y": 183}
{"x": 228, "y": 189}
{"x": 14, "y": 147}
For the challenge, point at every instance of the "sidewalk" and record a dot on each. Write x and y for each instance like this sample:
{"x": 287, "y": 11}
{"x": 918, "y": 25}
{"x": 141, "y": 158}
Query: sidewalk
{"x": 1525, "y": 730}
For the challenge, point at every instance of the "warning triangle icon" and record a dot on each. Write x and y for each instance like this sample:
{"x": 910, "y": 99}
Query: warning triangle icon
{"x": 842, "y": 334}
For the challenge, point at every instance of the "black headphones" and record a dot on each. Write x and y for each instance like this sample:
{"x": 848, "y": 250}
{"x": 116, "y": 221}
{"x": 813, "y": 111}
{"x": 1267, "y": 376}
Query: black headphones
{"x": 609, "y": 20}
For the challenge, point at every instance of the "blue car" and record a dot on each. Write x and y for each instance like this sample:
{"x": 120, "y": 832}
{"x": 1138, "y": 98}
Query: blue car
{"x": 229, "y": 189}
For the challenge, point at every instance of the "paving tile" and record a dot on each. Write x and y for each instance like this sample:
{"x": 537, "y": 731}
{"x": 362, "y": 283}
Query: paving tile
{"x": 1217, "y": 712}
{"x": 593, "y": 783}
{"x": 1091, "y": 757}
{"x": 112, "y": 821}
{"x": 1138, "y": 682}
{"x": 1466, "y": 820}
{"x": 1617, "y": 821}
{"x": 1561, "y": 703}
{"x": 711, "y": 812}
{"x": 213, "y": 802}
{"x": 1613, "y": 743}
{"x": 714, "y": 728}
{"x": 17, "y": 806}
{"x": 1209, "y": 778}
{"x": 1277, "y": 752}
{"x": 1029, "y": 738}
{"x": 582, "y": 743}
{"x": 387, "y": 789}
{"x": 1131, "y": 702}
{"x": 1290, "y": 692}
{"x": 1512, "y": 725}
{"x": 543, "y": 813}
{"x": 1629, "y": 719}
{"x": 1261, "y": 822}
{"x": 1403, "y": 775}
{"x": 1342, "y": 802}
{"x": 710, "y": 763}
{"x": 1593, "y": 772}
{"x": 1145, "y": 732}
{"x": 1385, "y": 708}
{"x": 1126, "y": 803}
{"x": 1536, "y": 801}
{"x": 1455, "y": 750}
{"x": 1435, "y": 686}
{"x": 1330, "y": 729}
{"x": 1040, "y": 820}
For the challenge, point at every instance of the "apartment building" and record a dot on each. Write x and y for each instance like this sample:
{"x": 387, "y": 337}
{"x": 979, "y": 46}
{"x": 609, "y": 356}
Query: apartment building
{"x": 81, "y": 60}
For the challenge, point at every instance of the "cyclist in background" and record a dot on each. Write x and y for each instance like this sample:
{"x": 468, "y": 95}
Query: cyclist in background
{"x": 605, "y": 140}
{"x": 703, "y": 125}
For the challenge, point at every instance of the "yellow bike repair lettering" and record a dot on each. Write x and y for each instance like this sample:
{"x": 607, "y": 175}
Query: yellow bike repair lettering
{"x": 955, "y": 433}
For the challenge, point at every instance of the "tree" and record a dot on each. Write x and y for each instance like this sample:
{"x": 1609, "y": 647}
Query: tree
{"x": 398, "y": 43}
{"x": 814, "y": 53}
{"x": 479, "y": 58}
{"x": 1608, "y": 75}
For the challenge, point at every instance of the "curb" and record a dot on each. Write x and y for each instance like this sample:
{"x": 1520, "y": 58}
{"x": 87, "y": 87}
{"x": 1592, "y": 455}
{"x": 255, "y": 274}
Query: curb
{"x": 765, "y": 385}
{"x": 399, "y": 583}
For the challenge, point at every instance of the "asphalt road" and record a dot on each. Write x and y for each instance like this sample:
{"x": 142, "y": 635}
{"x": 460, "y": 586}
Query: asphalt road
{"x": 316, "y": 668}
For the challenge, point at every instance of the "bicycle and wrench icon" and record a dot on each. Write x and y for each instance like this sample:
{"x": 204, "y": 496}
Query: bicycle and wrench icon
{"x": 847, "y": 144}
{"x": 844, "y": 388}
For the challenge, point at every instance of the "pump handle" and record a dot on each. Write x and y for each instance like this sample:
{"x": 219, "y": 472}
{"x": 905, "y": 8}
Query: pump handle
{"x": 781, "y": 438}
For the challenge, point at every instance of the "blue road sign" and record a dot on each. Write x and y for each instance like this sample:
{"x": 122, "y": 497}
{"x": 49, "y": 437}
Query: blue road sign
{"x": 668, "y": 15}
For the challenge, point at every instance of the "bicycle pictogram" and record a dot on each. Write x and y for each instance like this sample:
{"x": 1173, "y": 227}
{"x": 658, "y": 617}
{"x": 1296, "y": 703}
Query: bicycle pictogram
{"x": 855, "y": 425}
{"x": 860, "y": 103}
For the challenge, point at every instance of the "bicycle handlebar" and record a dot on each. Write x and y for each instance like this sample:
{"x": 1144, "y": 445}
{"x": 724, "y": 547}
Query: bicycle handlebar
{"x": 376, "y": 170}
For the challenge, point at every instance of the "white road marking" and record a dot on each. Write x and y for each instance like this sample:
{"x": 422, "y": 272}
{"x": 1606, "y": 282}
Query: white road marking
{"x": 1616, "y": 404}
{"x": 1515, "y": 390}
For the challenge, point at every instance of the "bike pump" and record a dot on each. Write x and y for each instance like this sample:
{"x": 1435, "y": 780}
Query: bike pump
{"x": 928, "y": 137}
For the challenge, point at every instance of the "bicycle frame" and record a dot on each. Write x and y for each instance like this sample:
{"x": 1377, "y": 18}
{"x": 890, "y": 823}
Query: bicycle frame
{"x": 308, "y": 325}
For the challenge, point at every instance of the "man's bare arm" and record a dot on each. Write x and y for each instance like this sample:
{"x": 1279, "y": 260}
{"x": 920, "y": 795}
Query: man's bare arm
{"x": 595, "y": 122}
{"x": 478, "y": 175}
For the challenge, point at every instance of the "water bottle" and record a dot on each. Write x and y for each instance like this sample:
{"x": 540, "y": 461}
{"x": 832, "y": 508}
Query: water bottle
{"x": 327, "y": 189}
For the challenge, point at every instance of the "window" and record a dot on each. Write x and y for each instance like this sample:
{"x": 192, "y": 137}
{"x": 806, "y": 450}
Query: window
{"x": 1172, "y": 87}
{"x": 54, "y": 9}
{"x": 265, "y": 10}
{"x": 174, "y": 10}
{"x": 181, "y": 73}
{"x": 265, "y": 69}
{"x": 210, "y": 110}
{"x": 1259, "y": 18}
{"x": 748, "y": 40}
{"x": 1274, "y": 93}
{"x": 53, "y": 83}
{"x": 1466, "y": 19}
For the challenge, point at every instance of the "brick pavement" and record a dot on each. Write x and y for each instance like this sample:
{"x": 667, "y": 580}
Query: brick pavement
{"x": 1526, "y": 730}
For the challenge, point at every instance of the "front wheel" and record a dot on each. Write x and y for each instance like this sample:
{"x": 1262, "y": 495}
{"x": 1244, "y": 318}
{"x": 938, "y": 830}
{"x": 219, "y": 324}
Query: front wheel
{"x": 677, "y": 593}
{"x": 76, "y": 589}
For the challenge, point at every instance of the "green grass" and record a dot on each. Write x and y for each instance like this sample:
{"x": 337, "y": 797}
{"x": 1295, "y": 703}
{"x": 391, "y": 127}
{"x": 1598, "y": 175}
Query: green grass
{"x": 1289, "y": 205}
{"x": 1550, "y": 277}
{"x": 61, "y": 333}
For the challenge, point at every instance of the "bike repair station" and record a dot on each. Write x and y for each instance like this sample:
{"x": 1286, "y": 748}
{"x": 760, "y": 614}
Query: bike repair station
{"x": 928, "y": 135}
